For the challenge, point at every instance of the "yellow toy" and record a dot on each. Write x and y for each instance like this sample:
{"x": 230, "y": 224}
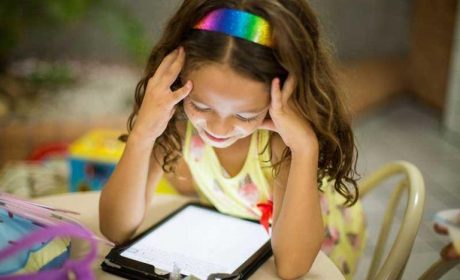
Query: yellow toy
{"x": 93, "y": 157}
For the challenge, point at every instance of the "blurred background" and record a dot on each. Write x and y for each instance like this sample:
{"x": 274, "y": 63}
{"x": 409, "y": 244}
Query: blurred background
{"x": 69, "y": 67}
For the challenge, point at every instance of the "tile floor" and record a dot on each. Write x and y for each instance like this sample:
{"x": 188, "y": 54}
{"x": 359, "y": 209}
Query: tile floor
{"x": 406, "y": 130}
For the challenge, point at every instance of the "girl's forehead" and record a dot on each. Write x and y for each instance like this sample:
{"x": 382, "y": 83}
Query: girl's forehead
{"x": 217, "y": 85}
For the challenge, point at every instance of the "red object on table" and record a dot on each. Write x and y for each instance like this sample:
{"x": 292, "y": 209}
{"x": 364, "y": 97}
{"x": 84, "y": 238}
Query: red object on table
{"x": 267, "y": 212}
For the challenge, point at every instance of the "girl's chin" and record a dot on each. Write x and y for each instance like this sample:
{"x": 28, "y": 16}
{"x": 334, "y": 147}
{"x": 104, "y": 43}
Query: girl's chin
{"x": 220, "y": 145}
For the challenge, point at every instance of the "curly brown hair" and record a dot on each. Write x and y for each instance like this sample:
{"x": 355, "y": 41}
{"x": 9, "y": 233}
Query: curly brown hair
{"x": 298, "y": 50}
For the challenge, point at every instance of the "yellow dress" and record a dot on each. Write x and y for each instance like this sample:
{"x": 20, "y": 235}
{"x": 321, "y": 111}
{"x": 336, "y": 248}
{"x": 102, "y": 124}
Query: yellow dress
{"x": 239, "y": 195}
{"x": 345, "y": 230}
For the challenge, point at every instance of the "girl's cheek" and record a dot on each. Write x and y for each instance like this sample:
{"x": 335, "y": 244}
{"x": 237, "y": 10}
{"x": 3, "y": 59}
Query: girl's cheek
{"x": 248, "y": 128}
{"x": 196, "y": 118}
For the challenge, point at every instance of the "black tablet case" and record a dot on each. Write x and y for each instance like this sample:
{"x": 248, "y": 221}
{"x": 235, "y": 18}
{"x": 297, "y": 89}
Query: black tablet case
{"x": 132, "y": 269}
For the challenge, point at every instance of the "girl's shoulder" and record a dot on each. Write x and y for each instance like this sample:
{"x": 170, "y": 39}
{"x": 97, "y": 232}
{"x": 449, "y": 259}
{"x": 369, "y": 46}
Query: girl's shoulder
{"x": 277, "y": 146}
{"x": 182, "y": 178}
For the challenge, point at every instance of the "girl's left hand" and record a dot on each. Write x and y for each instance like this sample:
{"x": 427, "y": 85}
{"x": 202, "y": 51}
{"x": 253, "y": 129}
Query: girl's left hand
{"x": 294, "y": 129}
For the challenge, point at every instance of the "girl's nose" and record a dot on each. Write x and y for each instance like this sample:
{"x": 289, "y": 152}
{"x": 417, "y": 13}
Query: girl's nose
{"x": 219, "y": 127}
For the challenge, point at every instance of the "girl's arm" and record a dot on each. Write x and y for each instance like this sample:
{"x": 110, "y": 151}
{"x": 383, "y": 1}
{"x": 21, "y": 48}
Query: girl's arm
{"x": 298, "y": 229}
{"x": 128, "y": 192}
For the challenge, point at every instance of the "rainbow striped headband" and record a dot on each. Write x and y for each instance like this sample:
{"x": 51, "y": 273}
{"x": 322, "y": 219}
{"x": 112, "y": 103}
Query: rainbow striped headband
{"x": 239, "y": 24}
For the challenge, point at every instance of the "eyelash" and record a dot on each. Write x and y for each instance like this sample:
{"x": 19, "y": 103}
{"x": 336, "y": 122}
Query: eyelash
{"x": 248, "y": 120}
{"x": 198, "y": 108}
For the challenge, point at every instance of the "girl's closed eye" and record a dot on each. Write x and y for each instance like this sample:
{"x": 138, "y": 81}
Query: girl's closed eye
{"x": 198, "y": 108}
{"x": 251, "y": 119}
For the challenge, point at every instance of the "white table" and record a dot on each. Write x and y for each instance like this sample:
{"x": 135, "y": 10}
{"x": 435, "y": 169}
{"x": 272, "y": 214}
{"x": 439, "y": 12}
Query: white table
{"x": 87, "y": 204}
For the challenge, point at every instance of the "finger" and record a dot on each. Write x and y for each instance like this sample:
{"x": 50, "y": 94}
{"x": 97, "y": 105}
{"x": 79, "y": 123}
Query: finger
{"x": 181, "y": 93}
{"x": 174, "y": 69}
{"x": 268, "y": 124}
{"x": 276, "y": 95}
{"x": 449, "y": 253}
{"x": 288, "y": 88}
{"x": 440, "y": 229}
{"x": 167, "y": 61}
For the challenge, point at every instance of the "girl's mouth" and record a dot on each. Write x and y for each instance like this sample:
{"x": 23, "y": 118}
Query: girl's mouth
{"x": 215, "y": 139}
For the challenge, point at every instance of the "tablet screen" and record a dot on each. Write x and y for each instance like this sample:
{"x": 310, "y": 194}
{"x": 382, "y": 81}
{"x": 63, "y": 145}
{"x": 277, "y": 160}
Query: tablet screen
{"x": 199, "y": 241}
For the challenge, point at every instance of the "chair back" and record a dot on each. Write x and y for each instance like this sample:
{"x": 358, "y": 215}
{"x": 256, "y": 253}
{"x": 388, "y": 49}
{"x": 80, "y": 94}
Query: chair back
{"x": 392, "y": 267}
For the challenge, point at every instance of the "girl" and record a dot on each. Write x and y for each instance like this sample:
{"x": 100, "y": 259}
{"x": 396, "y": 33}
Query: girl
{"x": 239, "y": 105}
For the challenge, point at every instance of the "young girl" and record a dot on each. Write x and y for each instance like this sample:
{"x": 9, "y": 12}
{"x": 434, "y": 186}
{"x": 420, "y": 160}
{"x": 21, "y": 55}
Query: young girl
{"x": 239, "y": 105}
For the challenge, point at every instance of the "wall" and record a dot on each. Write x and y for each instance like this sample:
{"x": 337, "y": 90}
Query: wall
{"x": 431, "y": 41}
{"x": 452, "y": 115}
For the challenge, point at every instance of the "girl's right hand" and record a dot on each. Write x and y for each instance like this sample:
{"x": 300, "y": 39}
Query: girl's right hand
{"x": 159, "y": 103}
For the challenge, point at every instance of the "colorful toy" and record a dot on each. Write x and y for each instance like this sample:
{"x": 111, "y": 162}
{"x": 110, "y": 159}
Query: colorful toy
{"x": 93, "y": 158}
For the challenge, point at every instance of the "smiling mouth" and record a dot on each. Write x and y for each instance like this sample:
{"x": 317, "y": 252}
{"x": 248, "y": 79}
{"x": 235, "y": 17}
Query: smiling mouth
{"x": 216, "y": 139}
